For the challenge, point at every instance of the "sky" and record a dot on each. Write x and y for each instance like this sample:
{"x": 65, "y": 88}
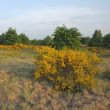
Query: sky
{"x": 39, "y": 18}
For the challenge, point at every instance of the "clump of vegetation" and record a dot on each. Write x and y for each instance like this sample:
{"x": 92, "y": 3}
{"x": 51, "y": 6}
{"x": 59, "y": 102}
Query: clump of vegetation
{"x": 11, "y": 37}
{"x": 69, "y": 37}
{"x": 67, "y": 70}
{"x": 47, "y": 41}
{"x": 15, "y": 46}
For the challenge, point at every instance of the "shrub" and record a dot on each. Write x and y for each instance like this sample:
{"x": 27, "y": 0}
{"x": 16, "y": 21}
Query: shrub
{"x": 19, "y": 46}
{"x": 16, "y": 46}
{"x": 67, "y": 70}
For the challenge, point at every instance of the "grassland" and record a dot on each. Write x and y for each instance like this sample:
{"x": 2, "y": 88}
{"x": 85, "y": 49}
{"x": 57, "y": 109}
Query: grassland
{"x": 20, "y": 91}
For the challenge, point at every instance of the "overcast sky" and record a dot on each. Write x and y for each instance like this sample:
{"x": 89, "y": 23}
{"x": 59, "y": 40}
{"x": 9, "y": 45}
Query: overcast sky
{"x": 39, "y": 18}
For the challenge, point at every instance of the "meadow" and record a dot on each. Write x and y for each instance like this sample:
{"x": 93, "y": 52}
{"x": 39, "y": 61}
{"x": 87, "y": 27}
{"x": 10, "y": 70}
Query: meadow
{"x": 23, "y": 88}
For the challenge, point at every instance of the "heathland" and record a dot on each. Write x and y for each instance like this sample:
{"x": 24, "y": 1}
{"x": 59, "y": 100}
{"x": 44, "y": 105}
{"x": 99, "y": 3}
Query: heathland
{"x": 42, "y": 78}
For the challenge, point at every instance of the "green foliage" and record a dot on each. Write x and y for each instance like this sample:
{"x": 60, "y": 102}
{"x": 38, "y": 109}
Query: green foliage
{"x": 47, "y": 41}
{"x": 63, "y": 37}
{"x": 10, "y": 37}
{"x": 36, "y": 42}
{"x": 66, "y": 37}
{"x": 24, "y": 39}
{"x": 97, "y": 39}
{"x": 85, "y": 40}
{"x": 106, "y": 41}
{"x": 2, "y": 39}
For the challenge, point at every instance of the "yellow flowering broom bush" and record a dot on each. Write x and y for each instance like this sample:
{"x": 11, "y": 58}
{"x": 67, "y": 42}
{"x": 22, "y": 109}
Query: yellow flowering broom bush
{"x": 19, "y": 46}
{"x": 67, "y": 70}
{"x": 15, "y": 46}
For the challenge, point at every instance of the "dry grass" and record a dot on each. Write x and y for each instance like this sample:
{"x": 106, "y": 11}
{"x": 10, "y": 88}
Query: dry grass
{"x": 19, "y": 90}
{"x": 26, "y": 94}
{"x": 19, "y": 62}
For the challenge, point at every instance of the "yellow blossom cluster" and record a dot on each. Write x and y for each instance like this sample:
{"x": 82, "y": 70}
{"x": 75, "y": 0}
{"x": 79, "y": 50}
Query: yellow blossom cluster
{"x": 67, "y": 70}
{"x": 16, "y": 46}
{"x": 20, "y": 46}
{"x": 5, "y": 47}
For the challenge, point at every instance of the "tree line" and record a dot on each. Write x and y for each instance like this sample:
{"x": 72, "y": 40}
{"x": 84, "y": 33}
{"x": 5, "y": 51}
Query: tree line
{"x": 61, "y": 38}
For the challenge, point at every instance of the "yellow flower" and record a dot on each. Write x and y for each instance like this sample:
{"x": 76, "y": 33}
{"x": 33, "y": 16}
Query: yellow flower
{"x": 67, "y": 69}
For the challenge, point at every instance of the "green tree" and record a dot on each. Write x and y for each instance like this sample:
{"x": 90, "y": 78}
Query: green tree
{"x": 24, "y": 39}
{"x": 97, "y": 39}
{"x": 2, "y": 39}
{"x": 85, "y": 40}
{"x": 48, "y": 41}
{"x": 69, "y": 37}
{"x": 10, "y": 37}
{"x": 106, "y": 41}
{"x": 36, "y": 42}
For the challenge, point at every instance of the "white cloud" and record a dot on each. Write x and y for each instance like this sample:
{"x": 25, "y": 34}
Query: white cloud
{"x": 39, "y": 22}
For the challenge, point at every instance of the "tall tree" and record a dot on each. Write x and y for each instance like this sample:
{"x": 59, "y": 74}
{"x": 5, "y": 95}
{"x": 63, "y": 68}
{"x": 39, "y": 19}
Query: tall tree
{"x": 2, "y": 39}
{"x": 69, "y": 37}
{"x": 85, "y": 40}
{"x": 106, "y": 41}
{"x": 24, "y": 39}
{"x": 97, "y": 39}
{"x": 36, "y": 42}
{"x": 10, "y": 37}
{"x": 48, "y": 41}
